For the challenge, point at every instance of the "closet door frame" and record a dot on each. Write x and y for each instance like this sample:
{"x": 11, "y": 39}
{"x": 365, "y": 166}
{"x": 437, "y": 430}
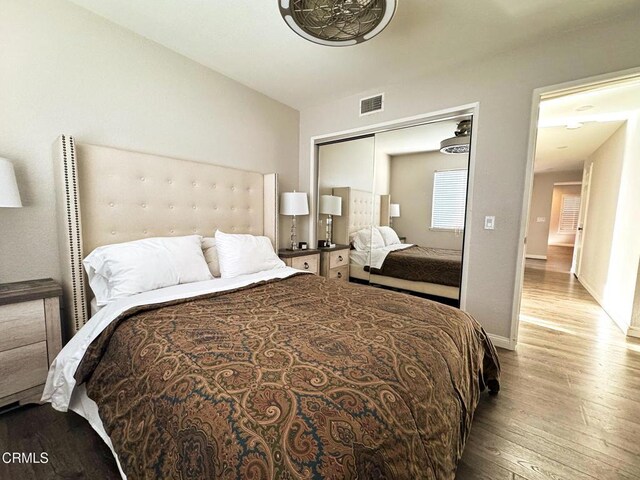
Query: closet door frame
{"x": 472, "y": 109}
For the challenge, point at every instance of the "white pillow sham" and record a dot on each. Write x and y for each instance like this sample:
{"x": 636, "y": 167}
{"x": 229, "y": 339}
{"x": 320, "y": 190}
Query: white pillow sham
{"x": 211, "y": 255}
{"x": 124, "y": 269}
{"x": 389, "y": 236}
{"x": 241, "y": 254}
{"x": 367, "y": 239}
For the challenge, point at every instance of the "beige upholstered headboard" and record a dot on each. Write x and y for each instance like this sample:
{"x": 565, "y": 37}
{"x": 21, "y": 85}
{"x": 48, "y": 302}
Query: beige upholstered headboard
{"x": 106, "y": 195}
{"x": 360, "y": 209}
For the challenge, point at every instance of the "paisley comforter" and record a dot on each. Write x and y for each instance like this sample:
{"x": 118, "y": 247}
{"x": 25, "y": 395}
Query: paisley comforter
{"x": 293, "y": 378}
{"x": 423, "y": 264}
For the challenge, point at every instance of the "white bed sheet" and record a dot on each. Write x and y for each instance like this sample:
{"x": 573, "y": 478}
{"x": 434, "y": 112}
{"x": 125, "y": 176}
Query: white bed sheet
{"x": 374, "y": 258}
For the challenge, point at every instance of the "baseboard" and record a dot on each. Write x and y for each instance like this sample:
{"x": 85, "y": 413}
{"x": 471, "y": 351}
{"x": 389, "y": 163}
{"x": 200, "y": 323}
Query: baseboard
{"x": 622, "y": 326}
{"x": 536, "y": 257}
{"x": 634, "y": 331}
{"x": 502, "y": 342}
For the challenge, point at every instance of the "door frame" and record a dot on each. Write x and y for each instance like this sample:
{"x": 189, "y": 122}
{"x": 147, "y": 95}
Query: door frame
{"x": 538, "y": 94}
{"x": 412, "y": 121}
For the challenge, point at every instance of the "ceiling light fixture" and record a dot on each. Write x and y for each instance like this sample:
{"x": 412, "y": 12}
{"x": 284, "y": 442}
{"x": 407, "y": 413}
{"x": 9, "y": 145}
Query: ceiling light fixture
{"x": 459, "y": 143}
{"x": 574, "y": 125}
{"x": 584, "y": 108}
{"x": 562, "y": 147}
{"x": 337, "y": 23}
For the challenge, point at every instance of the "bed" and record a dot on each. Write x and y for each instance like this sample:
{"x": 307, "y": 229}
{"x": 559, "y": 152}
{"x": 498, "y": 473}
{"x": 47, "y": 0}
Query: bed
{"x": 276, "y": 374}
{"x": 414, "y": 268}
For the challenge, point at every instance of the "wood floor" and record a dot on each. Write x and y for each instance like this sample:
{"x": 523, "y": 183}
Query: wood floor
{"x": 569, "y": 407}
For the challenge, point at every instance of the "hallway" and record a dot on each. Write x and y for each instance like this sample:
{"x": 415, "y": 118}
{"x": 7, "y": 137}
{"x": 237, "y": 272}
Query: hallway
{"x": 569, "y": 407}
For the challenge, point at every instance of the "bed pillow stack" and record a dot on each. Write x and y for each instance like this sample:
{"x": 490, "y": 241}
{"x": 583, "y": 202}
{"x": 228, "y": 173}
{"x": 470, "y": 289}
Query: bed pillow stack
{"x": 240, "y": 254}
{"x": 389, "y": 236}
{"x": 367, "y": 239}
{"x": 125, "y": 269}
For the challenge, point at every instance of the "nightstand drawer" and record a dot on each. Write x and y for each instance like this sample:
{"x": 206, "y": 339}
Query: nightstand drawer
{"x": 306, "y": 262}
{"x": 23, "y": 368}
{"x": 339, "y": 273}
{"x": 21, "y": 324}
{"x": 338, "y": 258}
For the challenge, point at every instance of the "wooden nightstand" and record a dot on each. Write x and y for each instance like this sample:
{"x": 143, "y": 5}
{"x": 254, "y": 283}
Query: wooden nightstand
{"x": 403, "y": 239}
{"x": 30, "y": 338}
{"x": 308, "y": 260}
{"x": 334, "y": 262}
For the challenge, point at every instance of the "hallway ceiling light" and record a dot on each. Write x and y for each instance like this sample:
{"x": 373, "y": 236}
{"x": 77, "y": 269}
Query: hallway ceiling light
{"x": 337, "y": 23}
{"x": 574, "y": 125}
{"x": 459, "y": 143}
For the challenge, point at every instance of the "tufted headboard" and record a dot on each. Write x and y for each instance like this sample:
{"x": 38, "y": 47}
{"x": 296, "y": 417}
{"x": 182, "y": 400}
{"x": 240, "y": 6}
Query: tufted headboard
{"x": 360, "y": 210}
{"x": 106, "y": 195}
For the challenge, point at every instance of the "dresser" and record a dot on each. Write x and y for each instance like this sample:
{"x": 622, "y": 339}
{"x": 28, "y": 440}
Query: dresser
{"x": 334, "y": 262}
{"x": 308, "y": 260}
{"x": 30, "y": 338}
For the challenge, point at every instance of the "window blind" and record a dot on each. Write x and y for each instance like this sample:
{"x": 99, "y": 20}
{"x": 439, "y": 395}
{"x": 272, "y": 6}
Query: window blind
{"x": 569, "y": 212}
{"x": 449, "y": 199}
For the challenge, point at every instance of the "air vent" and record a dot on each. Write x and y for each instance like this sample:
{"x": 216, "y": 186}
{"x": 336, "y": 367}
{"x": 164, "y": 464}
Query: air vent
{"x": 371, "y": 105}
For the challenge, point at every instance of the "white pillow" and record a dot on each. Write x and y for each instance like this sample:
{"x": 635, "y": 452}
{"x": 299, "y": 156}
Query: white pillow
{"x": 125, "y": 269}
{"x": 211, "y": 255}
{"x": 241, "y": 254}
{"x": 367, "y": 239}
{"x": 389, "y": 236}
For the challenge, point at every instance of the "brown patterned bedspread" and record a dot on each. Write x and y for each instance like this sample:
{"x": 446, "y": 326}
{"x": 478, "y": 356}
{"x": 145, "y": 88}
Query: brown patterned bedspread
{"x": 423, "y": 264}
{"x": 296, "y": 378}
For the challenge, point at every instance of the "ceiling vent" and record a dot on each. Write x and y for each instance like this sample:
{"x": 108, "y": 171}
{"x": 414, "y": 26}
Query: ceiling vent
{"x": 371, "y": 105}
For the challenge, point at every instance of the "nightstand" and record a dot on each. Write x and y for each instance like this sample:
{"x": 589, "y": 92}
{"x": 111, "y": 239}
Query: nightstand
{"x": 334, "y": 262}
{"x": 308, "y": 260}
{"x": 403, "y": 239}
{"x": 30, "y": 338}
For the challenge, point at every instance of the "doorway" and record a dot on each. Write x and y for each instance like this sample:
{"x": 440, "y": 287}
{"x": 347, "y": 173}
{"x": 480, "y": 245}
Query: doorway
{"x": 585, "y": 134}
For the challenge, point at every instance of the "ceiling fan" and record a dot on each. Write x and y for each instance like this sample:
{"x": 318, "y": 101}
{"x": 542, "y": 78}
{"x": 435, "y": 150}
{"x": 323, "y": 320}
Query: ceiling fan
{"x": 337, "y": 23}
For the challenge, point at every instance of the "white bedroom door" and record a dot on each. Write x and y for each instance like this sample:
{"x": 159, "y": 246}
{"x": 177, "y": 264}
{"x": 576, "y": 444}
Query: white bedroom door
{"x": 582, "y": 221}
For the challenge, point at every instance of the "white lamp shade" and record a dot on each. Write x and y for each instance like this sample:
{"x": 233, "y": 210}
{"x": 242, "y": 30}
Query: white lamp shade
{"x": 9, "y": 194}
{"x": 294, "y": 203}
{"x": 394, "y": 210}
{"x": 330, "y": 205}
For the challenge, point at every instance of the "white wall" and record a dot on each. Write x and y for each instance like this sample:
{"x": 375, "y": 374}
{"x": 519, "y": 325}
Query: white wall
{"x": 412, "y": 188}
{"x": 541, "y": 202}
{"x": 346, "y": 164}
{"x": 611, "y": 245}
{"x": 65, "y": 70}
{"x": 503, "y": 85}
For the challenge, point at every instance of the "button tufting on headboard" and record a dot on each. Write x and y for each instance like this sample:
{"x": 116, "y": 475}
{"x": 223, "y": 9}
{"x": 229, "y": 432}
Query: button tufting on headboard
{"x": 106, "y": 195}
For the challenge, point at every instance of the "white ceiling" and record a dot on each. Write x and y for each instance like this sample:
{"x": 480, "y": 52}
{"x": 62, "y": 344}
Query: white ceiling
{"x": 422, "y": 138}
{"x": 601, "y": 111}
{"x": 248, "y": 41}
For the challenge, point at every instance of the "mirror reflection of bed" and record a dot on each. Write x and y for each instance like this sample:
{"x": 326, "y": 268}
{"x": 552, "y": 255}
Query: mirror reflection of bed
{"x": 403, "y": 205}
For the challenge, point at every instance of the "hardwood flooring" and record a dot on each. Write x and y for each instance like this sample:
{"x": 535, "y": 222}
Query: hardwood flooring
{"x": 569, "y": 407}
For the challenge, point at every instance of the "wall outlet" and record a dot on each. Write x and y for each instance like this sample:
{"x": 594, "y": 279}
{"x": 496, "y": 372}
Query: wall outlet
{"x": 489, "y": 223}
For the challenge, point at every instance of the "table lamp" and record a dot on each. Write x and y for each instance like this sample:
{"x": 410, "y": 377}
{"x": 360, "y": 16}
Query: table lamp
{"x": 394, "y": 212}
{"x": 9, "y": 194}
{"x": 330, "y": 205}
{"x": 294, "y": 204}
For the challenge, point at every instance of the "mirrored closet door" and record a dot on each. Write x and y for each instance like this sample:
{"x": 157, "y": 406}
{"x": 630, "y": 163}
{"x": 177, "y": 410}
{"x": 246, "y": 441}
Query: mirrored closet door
{"x": 402, "y": 196}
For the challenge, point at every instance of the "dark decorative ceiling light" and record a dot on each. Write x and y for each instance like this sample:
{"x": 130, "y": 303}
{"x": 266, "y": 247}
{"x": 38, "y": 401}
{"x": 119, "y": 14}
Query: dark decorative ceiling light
{"x": 337, "y": 23}
{"x": 459, "y": 143}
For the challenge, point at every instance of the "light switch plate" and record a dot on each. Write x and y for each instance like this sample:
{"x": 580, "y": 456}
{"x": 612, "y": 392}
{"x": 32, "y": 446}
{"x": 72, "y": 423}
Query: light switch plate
{"x": 490, "y": 223}
{"x": 541, "y": 219}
